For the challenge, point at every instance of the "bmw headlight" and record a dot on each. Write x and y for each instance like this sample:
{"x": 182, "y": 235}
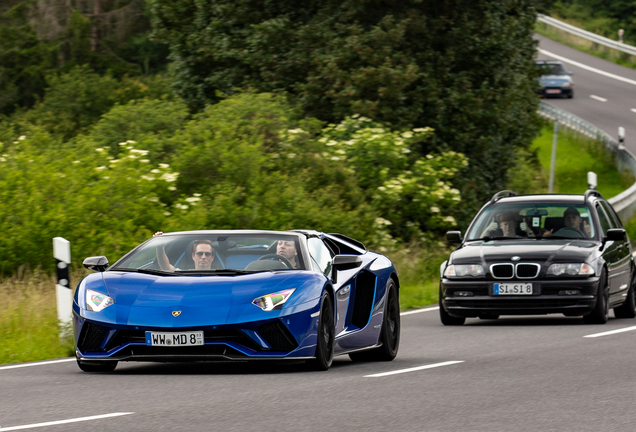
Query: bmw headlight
{"x": 463, "y": 270}
{"x": 97, "y": 301}
{"x": 571, "y": 269}
{"x": 274, "y": 300}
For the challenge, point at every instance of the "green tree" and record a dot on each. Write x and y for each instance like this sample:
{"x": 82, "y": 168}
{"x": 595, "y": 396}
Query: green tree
{"x": 462, "y": 67}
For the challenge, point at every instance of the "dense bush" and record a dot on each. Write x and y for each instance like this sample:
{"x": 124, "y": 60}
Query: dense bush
{"x": 100, "y": 205}
{"x": 250, "y": 161}
{"x": 151, "y": 121}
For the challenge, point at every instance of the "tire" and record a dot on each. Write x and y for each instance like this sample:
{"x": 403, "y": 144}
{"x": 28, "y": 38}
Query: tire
{"x": 390, "y": 332}
{"x": 102, "y": 366}
{"x": 446, "y": 319}
{"x": 326, "y": 333}
{"x": 600, "y": 314}
{"x": 628, "y": 308}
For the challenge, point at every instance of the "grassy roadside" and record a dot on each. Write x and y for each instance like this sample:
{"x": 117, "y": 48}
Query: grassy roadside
{"x": 587, "y": 47}
{"x": 576, "y": 155}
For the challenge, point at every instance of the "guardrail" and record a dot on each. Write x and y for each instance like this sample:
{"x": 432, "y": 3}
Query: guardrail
{"x": 591, "y": 38}
{"x": 625, "y": 202}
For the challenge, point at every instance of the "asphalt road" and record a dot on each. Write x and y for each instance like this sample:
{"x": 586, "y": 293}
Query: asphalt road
{"x": 521, "y": 374}
{"x": 605, "y": 101}
{"x": 512, "y": 374}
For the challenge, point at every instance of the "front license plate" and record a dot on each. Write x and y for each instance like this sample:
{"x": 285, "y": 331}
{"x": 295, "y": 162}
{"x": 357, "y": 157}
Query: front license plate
{"x": 513, "y": 289}
{"x": 553, "y": 91}
{"x": 174, "y": 339}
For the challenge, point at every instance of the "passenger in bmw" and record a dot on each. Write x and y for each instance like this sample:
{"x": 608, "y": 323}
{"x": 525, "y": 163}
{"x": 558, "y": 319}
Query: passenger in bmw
{"x": 506, "y": 226}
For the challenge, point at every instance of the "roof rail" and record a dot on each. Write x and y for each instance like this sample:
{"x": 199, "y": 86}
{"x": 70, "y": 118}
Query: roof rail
{"x": 496, "y": 197}
{"x": 590, "y": 192}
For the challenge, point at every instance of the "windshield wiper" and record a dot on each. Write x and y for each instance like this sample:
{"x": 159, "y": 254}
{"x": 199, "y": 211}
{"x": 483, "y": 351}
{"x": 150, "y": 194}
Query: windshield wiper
{"x": 218, "y": 272}
{"x": 151, "y": 271}
{"x": 488, "y": 238}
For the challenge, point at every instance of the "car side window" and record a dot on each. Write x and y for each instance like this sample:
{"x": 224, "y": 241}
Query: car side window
{"x": 612, "y": 215}
{"x": 605, "y": 224}
{"x": 321, "y": 254}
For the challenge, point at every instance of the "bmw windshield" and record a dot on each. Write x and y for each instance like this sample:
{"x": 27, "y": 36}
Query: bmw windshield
{"x": 533, "y": 221}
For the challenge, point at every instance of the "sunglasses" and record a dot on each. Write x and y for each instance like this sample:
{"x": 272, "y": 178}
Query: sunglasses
{"x": 207, "y": 254}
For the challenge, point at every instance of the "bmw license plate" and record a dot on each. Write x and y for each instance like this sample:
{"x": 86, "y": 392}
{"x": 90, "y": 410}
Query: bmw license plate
{"x": 512, "y": 289}
{"x": 175, "y": 339}
{"x": 553, "y": 91}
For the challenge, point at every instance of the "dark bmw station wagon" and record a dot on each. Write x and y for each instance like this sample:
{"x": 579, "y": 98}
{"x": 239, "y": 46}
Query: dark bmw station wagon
{"x": 540, "y": 254}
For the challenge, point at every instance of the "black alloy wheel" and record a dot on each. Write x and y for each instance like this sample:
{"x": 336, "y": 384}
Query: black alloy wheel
{"x": 97, "y": 366}
{"x": 600, "y": 314}
{"x": 326, "y": 334}
{"x": 444, "y": 316}
{"x": 390, "y": 333}
{"x": 628, "y": 308}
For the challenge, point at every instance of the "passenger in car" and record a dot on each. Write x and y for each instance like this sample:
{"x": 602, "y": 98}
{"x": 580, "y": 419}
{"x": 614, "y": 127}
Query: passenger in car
{"x": 202, "y": 255}
{"x": 507, "y": 226}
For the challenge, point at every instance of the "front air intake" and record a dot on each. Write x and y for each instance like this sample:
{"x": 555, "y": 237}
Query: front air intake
{"x": 277, "y": 336}
{"x": 91, "y": 337}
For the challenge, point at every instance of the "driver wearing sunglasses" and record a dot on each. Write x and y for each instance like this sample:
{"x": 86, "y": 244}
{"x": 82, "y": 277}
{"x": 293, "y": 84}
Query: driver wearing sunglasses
{"x": 202, "y": 255}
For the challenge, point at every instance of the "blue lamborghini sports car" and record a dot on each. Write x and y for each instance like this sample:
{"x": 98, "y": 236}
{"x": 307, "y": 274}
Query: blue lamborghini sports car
{"x": 238, "y": 295}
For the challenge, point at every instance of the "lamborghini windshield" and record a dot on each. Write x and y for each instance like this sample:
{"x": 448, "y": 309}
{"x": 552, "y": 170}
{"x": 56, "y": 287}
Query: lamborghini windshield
{"x": 215, "y": 254}
{"x": 553, "y": 220}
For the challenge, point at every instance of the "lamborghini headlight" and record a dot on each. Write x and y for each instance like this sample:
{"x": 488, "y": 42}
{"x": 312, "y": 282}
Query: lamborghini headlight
{"x": 571, "y": 269}
{"x": 274, "y": 300}
{"x": 474, "y": 270}
{"x": 97, "y": 301}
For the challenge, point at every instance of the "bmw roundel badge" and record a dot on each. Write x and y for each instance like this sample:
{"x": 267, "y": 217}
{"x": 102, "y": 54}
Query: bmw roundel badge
{"x": 514, "y": 258}
{"x": 176, "y": 313}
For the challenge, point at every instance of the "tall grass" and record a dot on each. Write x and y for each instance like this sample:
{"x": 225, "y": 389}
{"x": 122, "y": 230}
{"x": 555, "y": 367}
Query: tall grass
{"x": 28, "y": 318}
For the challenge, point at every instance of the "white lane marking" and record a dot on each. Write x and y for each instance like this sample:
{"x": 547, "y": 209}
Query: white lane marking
{"x": 37, "y": 364}
{"x": 413, "y": 369}
{"x": 434, "y": 308}
{"x": 626, "y": 329}
{"x": 634, "y": 110}
{"x": 59, "y": 422}
{"x": 591, "y": 69}
{"x": 598, "y": 98}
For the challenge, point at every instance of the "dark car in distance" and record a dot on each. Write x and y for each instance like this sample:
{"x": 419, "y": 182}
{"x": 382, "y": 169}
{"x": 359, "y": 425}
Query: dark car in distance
{"x": 555, "y": 80}
{"x": 540, "y": 254}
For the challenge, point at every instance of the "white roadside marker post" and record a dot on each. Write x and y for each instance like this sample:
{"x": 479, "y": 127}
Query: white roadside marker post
{"x": 63, "y": 291}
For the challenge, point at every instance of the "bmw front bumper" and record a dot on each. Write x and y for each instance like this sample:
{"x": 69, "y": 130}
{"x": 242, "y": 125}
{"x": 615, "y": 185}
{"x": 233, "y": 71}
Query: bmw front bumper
{"x": 477, "y": 298}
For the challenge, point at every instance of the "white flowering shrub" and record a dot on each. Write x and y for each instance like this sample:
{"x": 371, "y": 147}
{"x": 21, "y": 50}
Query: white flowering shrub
{"x": 411, "y": 193}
